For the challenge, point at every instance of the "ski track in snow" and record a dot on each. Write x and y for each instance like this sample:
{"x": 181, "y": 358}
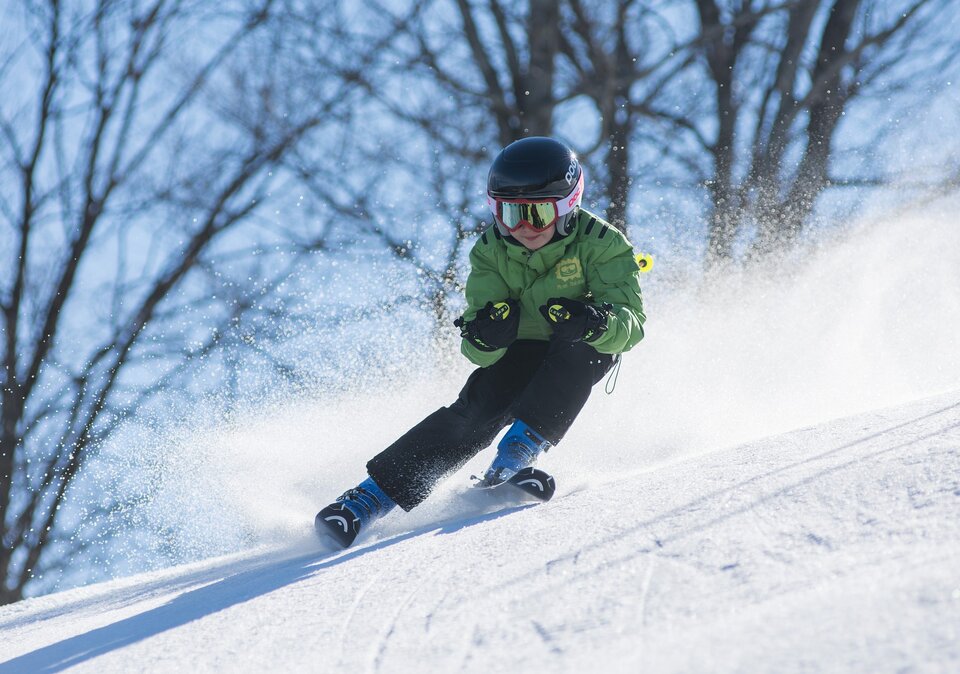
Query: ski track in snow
{"x": 831, "y": 548}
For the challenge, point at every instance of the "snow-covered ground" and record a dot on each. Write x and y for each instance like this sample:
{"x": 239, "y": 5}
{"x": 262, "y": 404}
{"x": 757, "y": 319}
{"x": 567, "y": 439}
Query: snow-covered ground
{"x": 694, "y": 528}
{"x": 831, "y": 548}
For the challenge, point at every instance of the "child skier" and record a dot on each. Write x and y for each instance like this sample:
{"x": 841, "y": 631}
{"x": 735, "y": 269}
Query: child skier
{"x": 553, "y": 295}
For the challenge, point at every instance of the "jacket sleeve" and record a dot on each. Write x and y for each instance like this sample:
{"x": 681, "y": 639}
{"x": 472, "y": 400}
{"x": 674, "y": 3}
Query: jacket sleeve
{"x": 484, "y": 284}
{"x": 614, "y": 277}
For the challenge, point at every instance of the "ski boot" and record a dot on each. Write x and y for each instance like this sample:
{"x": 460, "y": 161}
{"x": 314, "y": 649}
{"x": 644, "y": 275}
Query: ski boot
{"x": 356, "y": 508}
{"x": 519, "y": 448}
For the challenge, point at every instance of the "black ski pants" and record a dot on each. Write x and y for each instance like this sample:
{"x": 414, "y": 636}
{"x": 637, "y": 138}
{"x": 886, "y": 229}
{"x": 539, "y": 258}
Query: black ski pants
{"x": 545, "y": 384}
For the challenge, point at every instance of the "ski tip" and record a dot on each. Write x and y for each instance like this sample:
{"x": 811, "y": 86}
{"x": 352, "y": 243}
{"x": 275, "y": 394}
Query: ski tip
{"x": 336, "y": 526}
{"x": 535, "y": 482}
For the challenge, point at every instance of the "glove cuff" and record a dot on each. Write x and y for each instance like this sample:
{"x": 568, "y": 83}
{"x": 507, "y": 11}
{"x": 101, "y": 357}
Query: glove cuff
{"x": 597, "y": 323}
{"x": 477, "y": 344}
{"x": 470, "y": 330}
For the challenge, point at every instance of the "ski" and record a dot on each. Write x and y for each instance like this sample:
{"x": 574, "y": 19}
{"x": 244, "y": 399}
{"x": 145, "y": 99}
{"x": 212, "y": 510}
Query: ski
{"x": 534, "y": 482}
{"x": 337, "y": 525}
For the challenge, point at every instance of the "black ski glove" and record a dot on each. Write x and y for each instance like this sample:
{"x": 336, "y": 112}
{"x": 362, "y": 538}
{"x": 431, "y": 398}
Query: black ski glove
{"x": 573, "y": 320}
{"x": 495, "y": 326}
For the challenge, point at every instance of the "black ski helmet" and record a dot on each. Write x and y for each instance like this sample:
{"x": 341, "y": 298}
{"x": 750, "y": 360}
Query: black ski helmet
{"x": 537, "y": 168}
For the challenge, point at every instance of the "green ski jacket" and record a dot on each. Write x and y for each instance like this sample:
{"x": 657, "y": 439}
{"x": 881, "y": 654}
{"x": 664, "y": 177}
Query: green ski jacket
{"x": 594, "y": 263}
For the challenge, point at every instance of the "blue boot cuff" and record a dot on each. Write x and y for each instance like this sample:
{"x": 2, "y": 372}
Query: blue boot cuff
{"x": 386, "y": 504}
{"x": 521, "y": 433}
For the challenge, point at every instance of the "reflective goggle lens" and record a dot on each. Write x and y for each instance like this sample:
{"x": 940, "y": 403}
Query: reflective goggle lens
{"x": 538, "y": 215}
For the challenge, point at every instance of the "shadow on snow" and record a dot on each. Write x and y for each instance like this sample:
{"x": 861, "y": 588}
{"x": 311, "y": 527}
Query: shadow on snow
{"x": 209, "y": 599}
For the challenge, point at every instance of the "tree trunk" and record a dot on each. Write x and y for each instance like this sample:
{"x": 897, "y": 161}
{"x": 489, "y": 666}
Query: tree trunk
{"x": 535, "y": 96}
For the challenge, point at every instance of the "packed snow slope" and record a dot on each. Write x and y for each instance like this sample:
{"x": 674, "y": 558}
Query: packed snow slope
{"x": 695, "y": 528}
{"x": 835, "y": 547}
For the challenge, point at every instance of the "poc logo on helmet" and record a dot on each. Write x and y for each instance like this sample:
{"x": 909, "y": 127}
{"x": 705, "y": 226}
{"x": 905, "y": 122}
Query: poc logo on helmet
{"x": 571, "y": 171}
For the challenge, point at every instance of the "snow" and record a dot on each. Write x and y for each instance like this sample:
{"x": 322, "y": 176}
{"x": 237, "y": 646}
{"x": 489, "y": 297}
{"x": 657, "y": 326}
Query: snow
{"x": 835, "y": 547}
{"x": 774, "y": 487}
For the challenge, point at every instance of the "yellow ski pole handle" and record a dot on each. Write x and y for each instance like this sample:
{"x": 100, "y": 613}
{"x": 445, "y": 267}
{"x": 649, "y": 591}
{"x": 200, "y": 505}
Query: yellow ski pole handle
{"x": 558, "y": 313}
{"x": 645, "y": 260}
{"x": 500, "y": 312}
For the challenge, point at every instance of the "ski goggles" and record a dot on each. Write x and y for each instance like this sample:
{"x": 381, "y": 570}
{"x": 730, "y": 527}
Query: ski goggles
{"x": 535, "y": 214}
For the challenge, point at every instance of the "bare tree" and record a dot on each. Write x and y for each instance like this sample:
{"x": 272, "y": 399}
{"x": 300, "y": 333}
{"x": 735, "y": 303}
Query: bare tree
{"x": 608, "y": 48}
{"x": 783, "y": 75}
{"x": 421, "y": 202}
{"x": 414, "y": 151}
{"x": 739, "y": 102}
{"x": 527, "y": 61}
{"x": 133, "y": 181}
{"x": 515, "y": 56}
{"x": 517, "y": 65}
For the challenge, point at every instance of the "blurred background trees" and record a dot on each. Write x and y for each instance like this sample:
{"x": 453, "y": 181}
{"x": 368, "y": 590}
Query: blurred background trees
{"x": 142, "y": 145}
{"x": 188, "y": 188}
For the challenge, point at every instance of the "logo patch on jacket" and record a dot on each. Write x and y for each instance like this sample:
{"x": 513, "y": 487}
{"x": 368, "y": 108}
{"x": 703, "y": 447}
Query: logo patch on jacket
{"x": 569, "y": 271}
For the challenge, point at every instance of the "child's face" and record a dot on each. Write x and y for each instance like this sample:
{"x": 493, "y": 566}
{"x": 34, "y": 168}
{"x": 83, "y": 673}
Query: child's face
{"x": 533, "y": 240}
